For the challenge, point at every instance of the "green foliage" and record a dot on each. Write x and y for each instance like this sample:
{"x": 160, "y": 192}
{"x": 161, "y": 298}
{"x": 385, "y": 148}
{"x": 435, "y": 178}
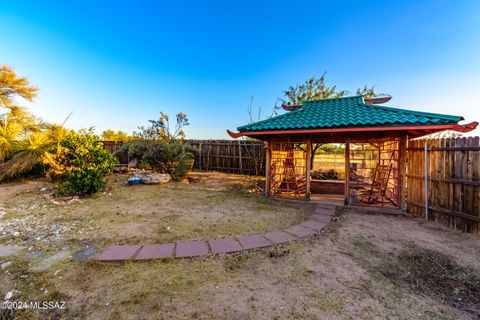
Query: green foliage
{"x": 331, "y": 148}
{"x": 112, "y": 135}
{"x": 159, "y": 156}
{"x": 80, "y": 163}
{"x": 23, "y": 138}
{"x": 317, "y": 89}
{"x": 160, "y": 129}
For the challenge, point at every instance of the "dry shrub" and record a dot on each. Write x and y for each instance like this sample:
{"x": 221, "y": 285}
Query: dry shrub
{"x": 434, "y": 274}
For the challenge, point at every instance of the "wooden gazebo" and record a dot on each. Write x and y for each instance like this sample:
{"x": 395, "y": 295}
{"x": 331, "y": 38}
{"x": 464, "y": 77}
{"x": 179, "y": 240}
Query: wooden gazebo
{"x": 371, "y": 133}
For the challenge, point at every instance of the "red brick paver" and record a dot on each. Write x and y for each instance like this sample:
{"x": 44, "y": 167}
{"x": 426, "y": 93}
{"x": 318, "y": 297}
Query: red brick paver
{"x": 194, "y": 248}
{"x": 118, "y": 252}
{"x": 320, "y": 218}
{"x": 254, "y": 241}
{"x": 225, "y": 245}
{"x": 156, "y": 251}
{"x": 300, "y": 232}
{"x": 312, "y": 224}
{"x": 279, "y": 236}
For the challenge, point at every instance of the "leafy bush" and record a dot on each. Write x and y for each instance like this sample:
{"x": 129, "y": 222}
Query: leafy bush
{"x": 159, "y": 156}
{"x": 79, "y": 163}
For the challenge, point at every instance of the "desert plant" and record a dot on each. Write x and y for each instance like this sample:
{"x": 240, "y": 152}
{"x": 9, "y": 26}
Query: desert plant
{"x": 79, "y": 163}
{"x": 159, "y": 156}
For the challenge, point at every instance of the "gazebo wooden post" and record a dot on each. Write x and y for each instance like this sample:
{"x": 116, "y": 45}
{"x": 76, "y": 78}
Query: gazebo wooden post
{"x": 403, "y": 172}
{"x": 308, "y": 166}
{"x": 347, "y": 172}
{"x": 268, "y": 159}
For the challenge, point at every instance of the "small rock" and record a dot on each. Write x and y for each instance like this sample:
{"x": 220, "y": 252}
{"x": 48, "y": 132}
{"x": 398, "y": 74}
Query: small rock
{"x": 84, "y": 253}
{"x": 5, "y": 265}
{"x": 156, "y": 178}
{"x": 16, "y": 234}
{"x": 8, "y": 296}
{"x": 43, "y": 189}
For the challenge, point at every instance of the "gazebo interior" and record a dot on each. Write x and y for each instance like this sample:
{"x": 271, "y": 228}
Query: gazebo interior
{"x": 367, "y": 141}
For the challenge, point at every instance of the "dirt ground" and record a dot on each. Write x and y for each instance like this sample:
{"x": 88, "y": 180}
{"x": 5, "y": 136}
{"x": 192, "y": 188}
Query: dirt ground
{"x": 332, "y": 276}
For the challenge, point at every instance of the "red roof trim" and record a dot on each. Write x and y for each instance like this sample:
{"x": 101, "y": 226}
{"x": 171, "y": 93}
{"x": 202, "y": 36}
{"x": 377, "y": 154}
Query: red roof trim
{"x": 456, "y": 127}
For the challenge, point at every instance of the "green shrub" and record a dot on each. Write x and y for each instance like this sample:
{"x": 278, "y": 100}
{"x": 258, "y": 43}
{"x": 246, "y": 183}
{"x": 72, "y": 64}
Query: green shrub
{"x": 160, "y": 156}
{"x": 79, "y": 163}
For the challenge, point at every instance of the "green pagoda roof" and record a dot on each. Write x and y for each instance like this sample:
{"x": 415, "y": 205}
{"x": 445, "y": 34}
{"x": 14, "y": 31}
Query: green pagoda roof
{"x": 348, "y": 112}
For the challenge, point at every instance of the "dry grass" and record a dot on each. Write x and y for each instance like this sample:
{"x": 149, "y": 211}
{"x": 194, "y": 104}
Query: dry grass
{"x": 354, "y": 271}
{"x": 210, "y": 206}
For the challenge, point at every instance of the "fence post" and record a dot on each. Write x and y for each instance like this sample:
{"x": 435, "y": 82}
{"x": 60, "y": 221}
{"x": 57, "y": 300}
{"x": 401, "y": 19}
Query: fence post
{"x": 200, "y": 156}
{"x": 426, "y": 181}
{"x": 240, "y": 156}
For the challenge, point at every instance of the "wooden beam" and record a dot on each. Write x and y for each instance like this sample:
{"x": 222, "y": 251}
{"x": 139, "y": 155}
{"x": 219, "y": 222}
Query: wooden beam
{"x": 308, "y": 166}
{"x": 347, "y": 172}
{"x": 268, "y": 159}
{"x": 403, "y": 173}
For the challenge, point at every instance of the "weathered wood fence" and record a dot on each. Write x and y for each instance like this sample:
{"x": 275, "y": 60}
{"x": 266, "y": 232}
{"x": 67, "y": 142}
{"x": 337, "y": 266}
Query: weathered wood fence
{"x": 453, "y": 181}
{"x": 231, "y": 156}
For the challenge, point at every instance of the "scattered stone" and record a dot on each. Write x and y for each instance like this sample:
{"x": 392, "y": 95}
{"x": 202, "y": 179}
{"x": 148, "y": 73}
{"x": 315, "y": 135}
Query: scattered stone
{"x": 84, "y": 253}
{"x": 5, "y": 265}
{"x": 6, "y": 251}
{"x": 16, "y": 234}
{"x": 8, "y": 296}
{"x": 156, "y": 178}
{"x": 43, "y": 189}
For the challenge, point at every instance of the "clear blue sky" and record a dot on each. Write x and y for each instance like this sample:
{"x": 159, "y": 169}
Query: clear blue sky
{"x": 118, "y": 64}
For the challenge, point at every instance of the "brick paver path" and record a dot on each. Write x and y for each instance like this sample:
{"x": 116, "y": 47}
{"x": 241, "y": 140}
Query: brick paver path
{"x": 197, "y": 248}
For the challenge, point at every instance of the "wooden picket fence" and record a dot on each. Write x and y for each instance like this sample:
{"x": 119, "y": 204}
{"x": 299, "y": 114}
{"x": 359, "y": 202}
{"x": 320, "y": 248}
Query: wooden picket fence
{"x": 453, "y": 180}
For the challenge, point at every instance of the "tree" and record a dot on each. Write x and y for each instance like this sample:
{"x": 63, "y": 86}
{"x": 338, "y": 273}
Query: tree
{"x": 23, "y": 138}
{"x": 112, "y": 135}
{"x": 317, "y": 89}
{"x": 160, "y": 129}
{"x": 11, "y": 86}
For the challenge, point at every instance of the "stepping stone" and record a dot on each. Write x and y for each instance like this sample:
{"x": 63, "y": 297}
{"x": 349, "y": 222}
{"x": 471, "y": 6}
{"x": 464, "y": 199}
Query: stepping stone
{"x": 118, "y": 252}
{"x": 84, "y": 253}
{"x": 156, "y": 251}
{"x": 320, "y": 218}
{"x": 326, "y": 212}
{"x": 312, "y": 224}
{"x": 50, "y": 261}
{"x": 6, "y": 251}
{"x": 254, "y": 241}
{"x": 279, "y": 236}
{"x": 224, "y": 245}
{"x": 300, "y": 232}
{"x": 35, "y": 254}
{"x": 194, "y": 248}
